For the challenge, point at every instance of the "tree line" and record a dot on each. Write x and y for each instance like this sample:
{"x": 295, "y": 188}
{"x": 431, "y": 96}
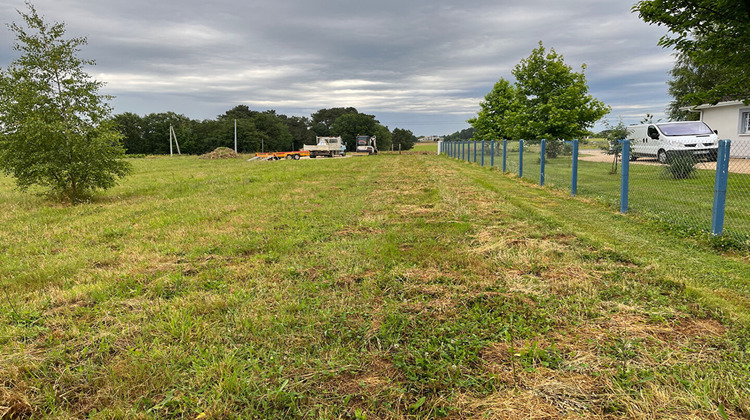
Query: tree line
{"x": 257, "y": 131}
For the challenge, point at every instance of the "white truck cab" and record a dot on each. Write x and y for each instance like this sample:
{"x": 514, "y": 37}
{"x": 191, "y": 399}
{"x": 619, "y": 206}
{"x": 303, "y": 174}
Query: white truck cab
{"x": 664, "y": 141}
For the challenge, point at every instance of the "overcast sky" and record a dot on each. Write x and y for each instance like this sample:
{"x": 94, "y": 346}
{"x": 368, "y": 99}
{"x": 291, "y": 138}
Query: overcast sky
{"x": 422, "y": 65}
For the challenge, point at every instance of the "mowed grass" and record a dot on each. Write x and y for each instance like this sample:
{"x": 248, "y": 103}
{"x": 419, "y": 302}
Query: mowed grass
{"x": 391, "y": 286}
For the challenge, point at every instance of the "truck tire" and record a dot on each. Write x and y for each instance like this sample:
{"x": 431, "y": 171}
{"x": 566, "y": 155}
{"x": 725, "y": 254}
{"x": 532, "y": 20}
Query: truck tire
{"x": 343, "y": 154}
{"x": 312, "y": 156}
{"x": 295, "y": 156}
{"x": 662, "y": 156}
{"x": 289, "y": 157}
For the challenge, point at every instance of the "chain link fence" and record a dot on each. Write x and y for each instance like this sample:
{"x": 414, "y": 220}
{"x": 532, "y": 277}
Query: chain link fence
{"x": 682, "y": 192}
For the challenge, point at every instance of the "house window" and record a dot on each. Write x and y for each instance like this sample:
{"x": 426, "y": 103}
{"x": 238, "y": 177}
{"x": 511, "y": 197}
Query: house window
{"x": 745, "y": 121}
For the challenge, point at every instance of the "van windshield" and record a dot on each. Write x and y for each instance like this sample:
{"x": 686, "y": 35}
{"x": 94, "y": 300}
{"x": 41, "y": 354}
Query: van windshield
{"x": 685, "y": 129}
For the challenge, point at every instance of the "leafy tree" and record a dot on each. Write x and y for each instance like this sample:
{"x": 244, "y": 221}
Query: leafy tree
{"x": 495, "y": 118}
{"x": 465, "y": 134}
{"x": 299, "y": 128}
{"x": 384, "y": 137}
{"x": 713, "y": 33}
{"x": 323, "y": 120}
{"x": 56, "y": 131}
{"x": 275, "y": 134}
{"x": 553, "y": 100}
{"x": 349, "y": 126}
{"x": 690, "y": 78}
{"x": 156, "y": 132}
{"x": 614, "y": 135}
{"x": 238, "y": 112}
{"x": 130, "y": 126}
{"x": 403, "y": 138}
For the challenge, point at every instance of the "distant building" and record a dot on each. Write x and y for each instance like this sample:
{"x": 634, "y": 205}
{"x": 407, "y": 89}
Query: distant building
{"x": 430, "y": 138}
{"x": 732, "y": 121}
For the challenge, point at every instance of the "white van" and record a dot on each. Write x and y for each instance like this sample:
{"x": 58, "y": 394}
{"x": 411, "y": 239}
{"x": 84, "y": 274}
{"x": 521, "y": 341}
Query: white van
{"x": 664, "y": 141}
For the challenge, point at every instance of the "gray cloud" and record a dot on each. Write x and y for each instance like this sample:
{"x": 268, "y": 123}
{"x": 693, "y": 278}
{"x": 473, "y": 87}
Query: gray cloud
{"x": 422, "y": 65}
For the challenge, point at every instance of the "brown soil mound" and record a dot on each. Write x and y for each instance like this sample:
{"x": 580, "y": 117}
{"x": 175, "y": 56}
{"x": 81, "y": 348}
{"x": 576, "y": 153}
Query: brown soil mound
{"x": 220, "y": 153}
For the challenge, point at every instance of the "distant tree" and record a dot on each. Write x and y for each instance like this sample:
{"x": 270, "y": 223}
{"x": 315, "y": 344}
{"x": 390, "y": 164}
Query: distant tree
{"x": 495, "y": 120}
{"x": 56, "y": 131}
{"x": 553, "y": 100}
{"x": 712, "y": 33}
{"x": 238, "y": 112}
{"x": 323, "y": 120}
{"x": 349, "y": 126}
{"x": 465, "y": 134}
{"x": 130, "y": 126}
{"x": 384, "y": 137}
{"x": 156, "y": 133}
{"x": 403, "y": 138}
{"x": 300, "y": 129}
{"x": 614, "y": 135}
{"x": 274, "y": 133}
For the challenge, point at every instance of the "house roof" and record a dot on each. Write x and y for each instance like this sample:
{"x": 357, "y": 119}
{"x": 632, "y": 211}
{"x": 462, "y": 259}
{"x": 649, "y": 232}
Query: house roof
{"x": 696, "y": 108}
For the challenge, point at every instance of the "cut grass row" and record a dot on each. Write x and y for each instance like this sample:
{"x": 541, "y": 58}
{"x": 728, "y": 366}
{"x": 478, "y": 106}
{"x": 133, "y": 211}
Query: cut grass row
{"x": 379, "y": 287}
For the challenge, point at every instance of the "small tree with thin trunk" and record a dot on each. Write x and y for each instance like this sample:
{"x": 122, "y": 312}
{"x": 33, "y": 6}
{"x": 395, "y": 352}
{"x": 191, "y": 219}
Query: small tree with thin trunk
{"x": 56, "y": 131}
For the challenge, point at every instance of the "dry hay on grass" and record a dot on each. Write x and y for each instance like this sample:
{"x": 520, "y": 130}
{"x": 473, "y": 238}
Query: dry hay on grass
{"x": 220, "y": 153}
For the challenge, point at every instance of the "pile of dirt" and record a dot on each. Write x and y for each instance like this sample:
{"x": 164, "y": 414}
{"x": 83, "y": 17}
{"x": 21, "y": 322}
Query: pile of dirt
{"x": 221, "y": 153}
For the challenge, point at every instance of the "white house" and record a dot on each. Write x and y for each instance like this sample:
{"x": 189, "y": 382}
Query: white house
{"x": 732, "y": 121}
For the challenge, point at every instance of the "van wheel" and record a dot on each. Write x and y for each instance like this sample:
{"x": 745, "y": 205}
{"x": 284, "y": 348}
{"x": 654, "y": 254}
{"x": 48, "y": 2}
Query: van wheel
{"x": 661, "y": 156}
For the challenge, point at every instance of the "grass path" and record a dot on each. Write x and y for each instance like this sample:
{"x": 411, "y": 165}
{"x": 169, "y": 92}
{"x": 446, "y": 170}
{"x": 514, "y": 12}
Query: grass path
{"x": 395, "y": 286}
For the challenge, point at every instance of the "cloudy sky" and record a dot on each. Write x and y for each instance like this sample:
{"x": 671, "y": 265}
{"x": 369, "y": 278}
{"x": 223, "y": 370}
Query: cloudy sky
{"x": 423, "y": 65}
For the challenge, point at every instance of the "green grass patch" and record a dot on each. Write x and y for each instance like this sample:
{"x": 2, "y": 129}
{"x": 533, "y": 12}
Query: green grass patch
{"x": 392, "y": 286}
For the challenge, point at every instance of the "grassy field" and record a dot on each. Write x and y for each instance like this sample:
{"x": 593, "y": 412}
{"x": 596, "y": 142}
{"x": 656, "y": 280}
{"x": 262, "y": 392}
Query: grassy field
{"x": 427, "y": 147}
{"x": 390, "y": 286}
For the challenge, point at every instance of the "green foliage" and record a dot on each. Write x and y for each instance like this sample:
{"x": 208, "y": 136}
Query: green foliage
{"x": 689, "y": 78}
{"x": 322, "y": 121}
{"x": 712, "y": 35}
{"x": 681, "y": 166}
{"x": 464, "y": 134}
{"x": 553, "y": 100}
{"x": 548, "y": 101}
{"x": 614, "y": 135}
{"x": 384, "y": 137}
{"x": 403, "y": 139}
{"x": 350, "y": 125}
{"x": 56, "y": 132}
{"x": 495, "y": 119}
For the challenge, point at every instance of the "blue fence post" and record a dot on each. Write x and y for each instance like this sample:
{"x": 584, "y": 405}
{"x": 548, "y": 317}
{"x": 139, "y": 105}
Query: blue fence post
{"x": 492, "y": 153}
{"x": 574, "y": 174}
{"x": 482, "y": 153}
{"x": 505, "y": 154}
{"x": 520, "y": 158}
{"x": 625, "y": 183}
{"x": 468, "y": 151}
{"x": 475, "y": 151}
{"x": 720, "y": 187}
{"x": 463, "y": 149}
{"x": 542, "y": 162}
